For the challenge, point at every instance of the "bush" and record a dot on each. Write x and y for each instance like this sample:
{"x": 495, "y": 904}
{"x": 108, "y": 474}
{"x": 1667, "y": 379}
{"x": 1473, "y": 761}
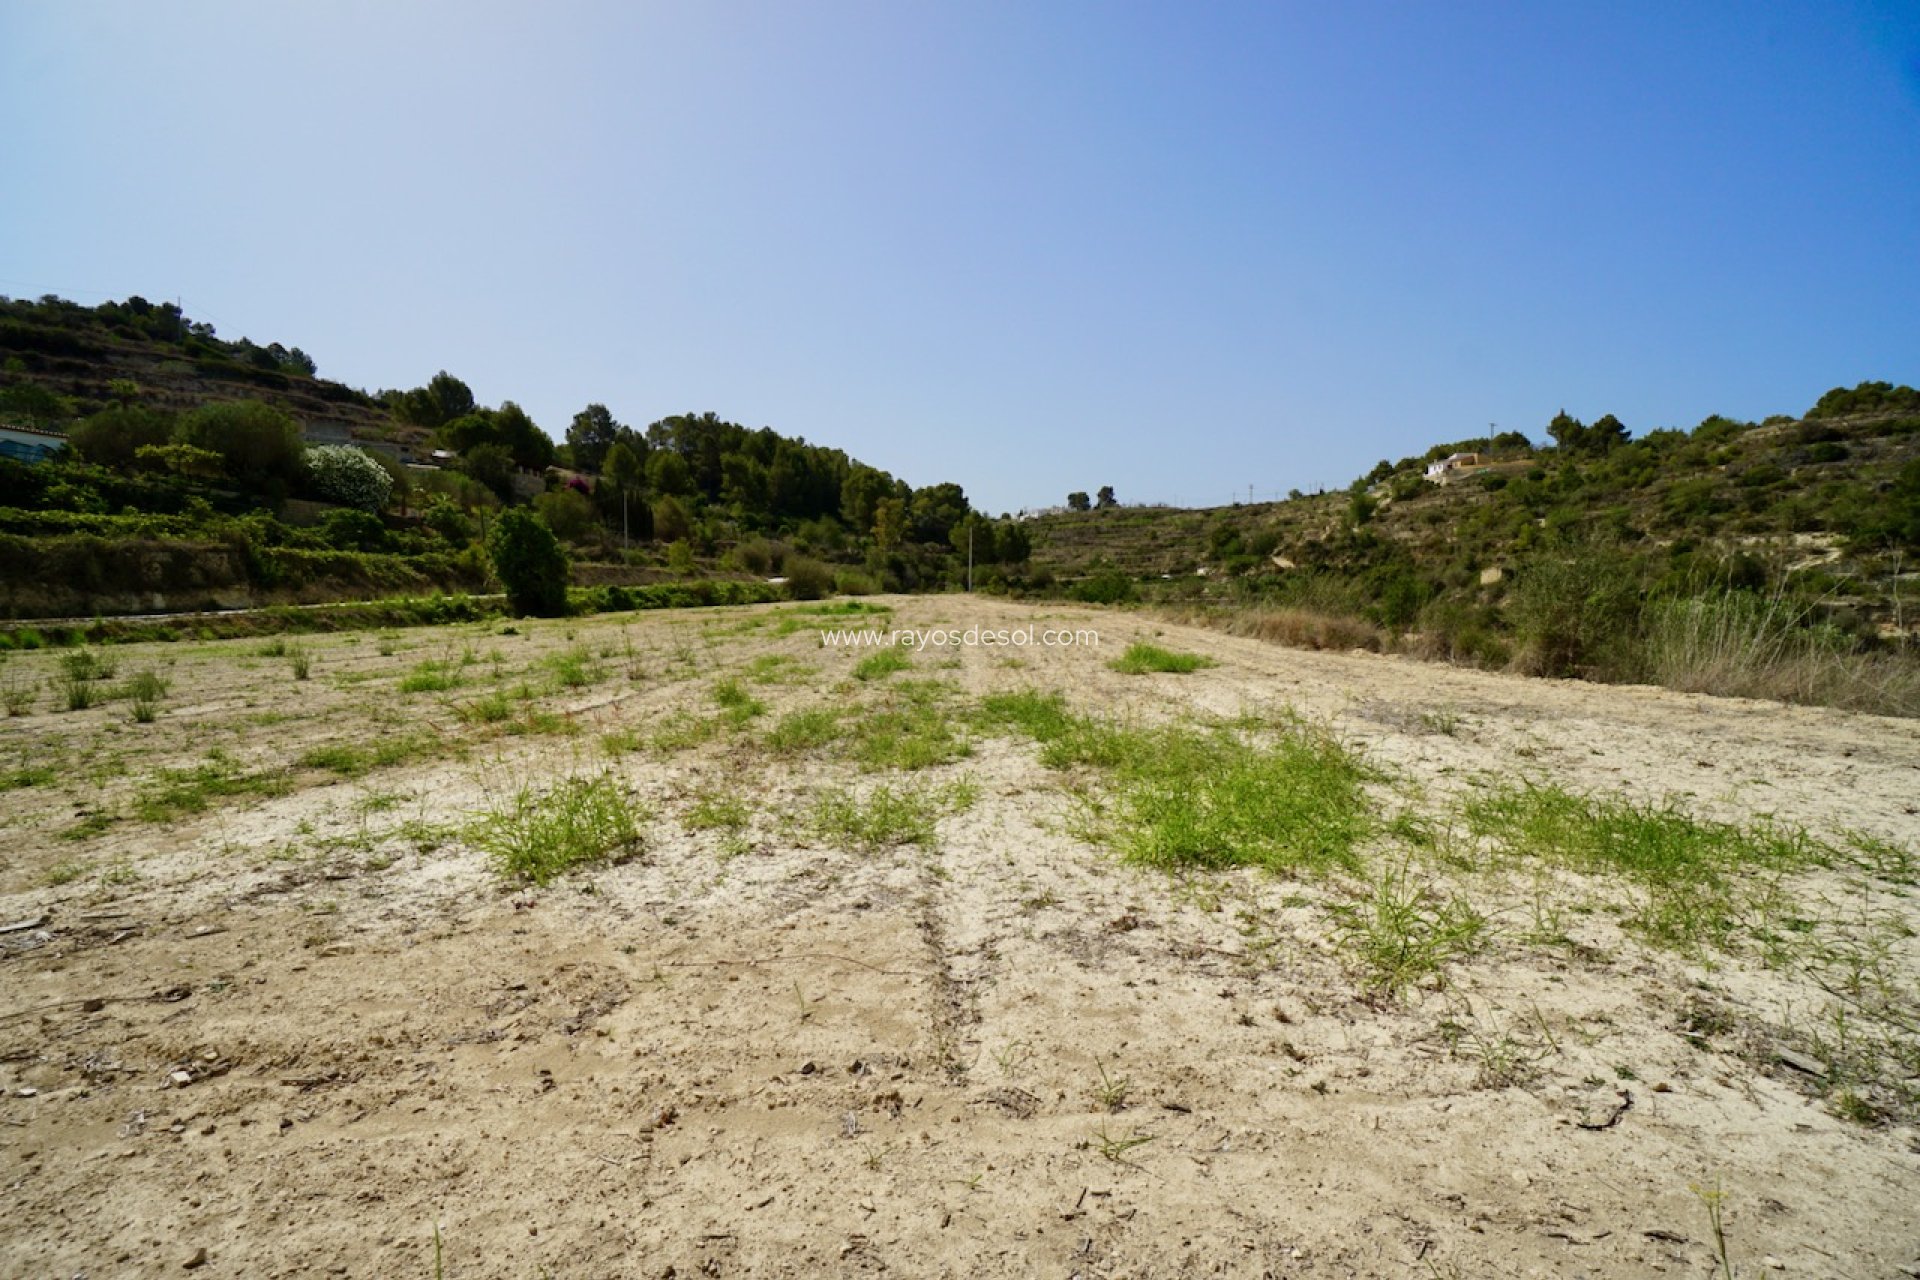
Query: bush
{"x": 257, "y": 443}
{"x": 1109, "y": 586}
{"x": 349, "y": 477}
{"x": 808, "y": 579}
{"x": 353, "y": 531}
{"x": 529, "y": 563}
{"x": 1576, "y": 613}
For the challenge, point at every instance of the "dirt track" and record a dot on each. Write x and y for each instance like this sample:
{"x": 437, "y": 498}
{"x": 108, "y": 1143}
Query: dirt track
{"x": 299, "y": 1031}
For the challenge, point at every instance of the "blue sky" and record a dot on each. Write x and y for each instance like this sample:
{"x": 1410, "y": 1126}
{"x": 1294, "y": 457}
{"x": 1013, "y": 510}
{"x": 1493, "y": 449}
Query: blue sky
{"x": 1029, "y": 247}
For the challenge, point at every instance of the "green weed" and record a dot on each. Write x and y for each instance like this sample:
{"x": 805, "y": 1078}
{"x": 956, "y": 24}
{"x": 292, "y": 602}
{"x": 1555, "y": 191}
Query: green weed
{"x": 881, "y": 663}
{"x": 536, "y": 835}
{"x": 1405, "y": 932}
{"x": 886, "y": 817}
{"x": 1139, "y": 659}
{"x": 1697, "y": 877}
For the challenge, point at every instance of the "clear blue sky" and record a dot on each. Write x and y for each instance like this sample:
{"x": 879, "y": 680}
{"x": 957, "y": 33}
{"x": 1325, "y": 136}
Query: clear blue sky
{"x": 1029, "y": 247}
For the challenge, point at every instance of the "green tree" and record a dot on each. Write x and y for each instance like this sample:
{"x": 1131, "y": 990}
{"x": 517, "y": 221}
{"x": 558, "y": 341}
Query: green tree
{"x": 566, "y": 511}
{"x": 889, "y": 523}
{"x": 1105, "y": 498}
{"x": 259, "y": 446}
{"x": 532, "y": 448}
{"x": 627, "y": 476}
{"x": 668, "y": 474}
{"x": 592, "y": 434}
{"x": 1078, "y": 501}
{"x": 529, "y": 562}
{"x": 114, "y": 436}
{"x": 492, "y": 466}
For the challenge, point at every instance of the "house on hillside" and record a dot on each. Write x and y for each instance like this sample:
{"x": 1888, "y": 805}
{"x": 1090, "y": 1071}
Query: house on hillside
{"x": 29, "y": 444}
{"x": 1455, "y": 464}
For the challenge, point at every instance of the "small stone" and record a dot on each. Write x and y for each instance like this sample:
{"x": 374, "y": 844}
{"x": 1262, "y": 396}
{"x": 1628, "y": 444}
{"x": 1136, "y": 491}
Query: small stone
{"x": 1772, "y": 1263}
{"x": 180, "y": 1079}
{"x": 1801, "y": 1062}
{"x": 199, "y": 1259}
{"x": 25, "y": 1093}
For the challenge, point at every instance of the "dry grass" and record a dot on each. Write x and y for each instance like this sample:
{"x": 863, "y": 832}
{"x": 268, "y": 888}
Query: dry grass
{"x": 1297, "y": 627}
{"x": 1754, "y": 647}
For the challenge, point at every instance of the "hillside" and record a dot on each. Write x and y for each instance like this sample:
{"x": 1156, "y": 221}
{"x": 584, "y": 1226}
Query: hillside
{"x": 64, "y": 362}
{"x": 194, "y": 472}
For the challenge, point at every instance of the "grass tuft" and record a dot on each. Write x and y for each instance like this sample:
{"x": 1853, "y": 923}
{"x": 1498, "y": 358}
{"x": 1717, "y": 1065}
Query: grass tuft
{"x": 536, "y": 835}
{"x": 1139, "y": 659}
{"x": 1697, "y": 877}
{"x": 1404, "y": 932}
{"x": 881, "y": 663}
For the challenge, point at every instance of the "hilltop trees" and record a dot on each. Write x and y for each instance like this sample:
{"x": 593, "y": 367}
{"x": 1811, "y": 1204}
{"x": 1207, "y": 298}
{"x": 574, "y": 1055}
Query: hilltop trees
{"x": 592, "y": 433}
{"x": 1576, "y": 438}
{"x": 1078, "y": 501}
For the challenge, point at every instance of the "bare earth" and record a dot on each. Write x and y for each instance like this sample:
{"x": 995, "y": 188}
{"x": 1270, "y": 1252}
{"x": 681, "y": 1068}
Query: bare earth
{"x": 294, "y": 1034}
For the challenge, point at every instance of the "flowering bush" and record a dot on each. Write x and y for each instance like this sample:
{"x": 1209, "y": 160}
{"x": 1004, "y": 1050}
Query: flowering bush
{"x": 349, "y": 477}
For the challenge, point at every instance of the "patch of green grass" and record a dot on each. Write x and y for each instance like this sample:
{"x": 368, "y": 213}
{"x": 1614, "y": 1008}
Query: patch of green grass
{"x": 18, "y": 696}
{"x": 533, "y": 720}
{"x": 575, "y": 669}
{"x": 1186, "y": 796}
{"x": 1040, "y": 716}
{"x": 536, "y": 835}
{"x": 719, "y": 811}
{"x": 887, "y": 816}
{"x": 65, "y": 873}
{"x": 805, "y": 730}
{"x": 1139, "y": 659}
{"x": 76, "y": 692}
{"x": 28, "y": 776}
{"x": 1405, "y": 932}
{"x": 682, "y": 731}
{"x": 882, "y": 663}
{"x": 492, "y": 709}
{"x": 431, "y": 676}
{"x": 174, "y": 793}
{"x": 779, "y": 668}
{"x": 300, "y": 661}
{"x": 352, "y": 759}
{"x": 737, "y": 706}
{"x": 89, "y": 664}
{"x": 1698, "y": 878}
{"x": 913, "y": 727}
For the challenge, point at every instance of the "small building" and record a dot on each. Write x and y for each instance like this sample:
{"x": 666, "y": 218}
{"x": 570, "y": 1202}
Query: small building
{"x": 1454, "y": 463}
{"x": 29, "y": 444}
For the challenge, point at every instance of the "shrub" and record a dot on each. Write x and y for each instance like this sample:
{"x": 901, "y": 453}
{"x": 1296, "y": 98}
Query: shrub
{"x": 530, "y": 564}
{"x": 1109, "y": 586}
{"x": 1576, "y": 613}
{"x": 353, "y": 531}
{"x": 348, "y": 476}
{"x": 808, "y": 579}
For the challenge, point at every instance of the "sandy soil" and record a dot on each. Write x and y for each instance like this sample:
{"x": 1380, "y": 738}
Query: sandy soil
{"x": 298, "y": 1033}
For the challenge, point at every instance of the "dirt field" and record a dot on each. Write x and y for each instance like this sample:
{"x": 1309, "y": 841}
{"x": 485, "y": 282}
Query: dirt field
{"x": 876, "y": 991}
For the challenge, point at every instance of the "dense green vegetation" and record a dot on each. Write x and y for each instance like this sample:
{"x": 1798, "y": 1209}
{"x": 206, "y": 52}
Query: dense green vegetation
{"x": 220, "y": 469}
{"x": 1766, "y": 559}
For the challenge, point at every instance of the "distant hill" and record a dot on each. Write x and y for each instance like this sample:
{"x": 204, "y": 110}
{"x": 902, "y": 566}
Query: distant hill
{"x": 1815, "y": 519}
{"x": 60, "y": 361}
